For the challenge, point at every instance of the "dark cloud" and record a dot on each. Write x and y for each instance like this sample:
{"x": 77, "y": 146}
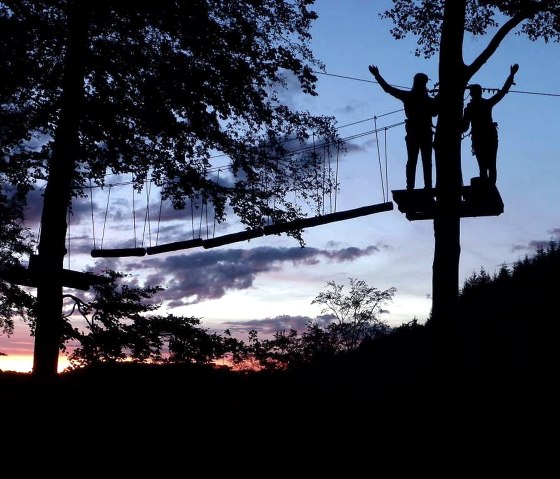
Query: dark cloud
{"x": 269, "y": 326}
{"x": 200, "y": 276}
{"x": 536, "y": 245}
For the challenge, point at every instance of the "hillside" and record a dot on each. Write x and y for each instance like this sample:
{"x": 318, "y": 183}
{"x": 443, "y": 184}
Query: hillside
{"x": 498, "y": 376}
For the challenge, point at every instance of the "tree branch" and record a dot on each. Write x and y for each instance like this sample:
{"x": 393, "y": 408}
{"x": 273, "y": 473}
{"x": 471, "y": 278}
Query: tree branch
{"x": 495, "y": 42}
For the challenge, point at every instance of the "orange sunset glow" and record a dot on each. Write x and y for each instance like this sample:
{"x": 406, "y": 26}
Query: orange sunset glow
{"x": 23, "y": 363}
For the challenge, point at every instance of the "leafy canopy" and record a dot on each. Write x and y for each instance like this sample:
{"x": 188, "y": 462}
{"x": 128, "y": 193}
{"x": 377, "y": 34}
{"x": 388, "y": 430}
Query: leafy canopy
{"x": 167, "y": 87}
{"x": 424, "y": 19}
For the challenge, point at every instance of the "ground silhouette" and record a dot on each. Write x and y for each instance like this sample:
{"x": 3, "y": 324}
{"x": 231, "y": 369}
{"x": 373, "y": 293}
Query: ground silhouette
{"x": 493, "y": 382}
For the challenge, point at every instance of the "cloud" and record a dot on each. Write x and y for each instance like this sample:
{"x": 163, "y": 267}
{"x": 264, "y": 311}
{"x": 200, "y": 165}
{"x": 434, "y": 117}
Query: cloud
{"x": 34, "y": 207}
{"x": 536, "y": 245}
{"x": 269, "y": 326}
{"x": 196, "y": 277}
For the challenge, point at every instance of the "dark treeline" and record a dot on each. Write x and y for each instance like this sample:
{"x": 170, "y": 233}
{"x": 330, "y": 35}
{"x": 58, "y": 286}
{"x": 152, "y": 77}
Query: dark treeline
{"x": 504, "y": 361}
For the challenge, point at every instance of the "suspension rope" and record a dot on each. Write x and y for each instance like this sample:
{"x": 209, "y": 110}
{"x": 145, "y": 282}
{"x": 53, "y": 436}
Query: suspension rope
{"x": 320, "y": 185}
{"x": 134, "y": 212}
{"x": 192, "y": 217}
{"x": 386, "y": 167}
{"x": 159, "y": 218}
{"x": 147, "y": 215}
{"x": 336, "y": 176}
{"x": 207, "y": 228}
{"x": 214, "y": 223}
{"x": 92, "y": 215}
{"x": 105, "y": 220}
{"x": 379, "y": 158}
{"x": 200, "y": 223}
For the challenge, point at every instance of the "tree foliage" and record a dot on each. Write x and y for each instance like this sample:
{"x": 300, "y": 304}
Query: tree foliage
{"x": 174, "y": 92}
{"x": 440, "y": 27}
{"x": 120, "y": 325}
{"x": 351, "y": 320}
{"x": 424, "y": 19}
{"x": 507, "y": 317}
{"x": 357, "y": 312}
{"x": 15, "y": 244}
{"x": 165, "y": 87}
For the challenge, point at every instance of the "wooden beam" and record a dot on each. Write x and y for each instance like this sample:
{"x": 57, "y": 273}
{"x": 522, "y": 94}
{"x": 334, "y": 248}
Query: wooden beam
{"x": 164, "y": 248}
{"x": 232, "y": 238}
{"x": 117, "y": 252}
{"x": 328, "y": 218}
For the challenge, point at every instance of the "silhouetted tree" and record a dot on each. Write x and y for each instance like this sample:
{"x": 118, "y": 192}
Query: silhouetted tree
{"x": 121, "y": 326}
{"x": 351, "y": 319}
{"x": 440, "y": 26}
{"x": 15, "y": 244}
{"x": 356, "y": 313}
{"x": 506, "y": 319}
{"x": 155, "y": 89}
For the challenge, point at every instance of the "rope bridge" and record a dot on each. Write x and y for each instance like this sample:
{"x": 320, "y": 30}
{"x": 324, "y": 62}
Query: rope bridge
{"x": 211, "y": 241}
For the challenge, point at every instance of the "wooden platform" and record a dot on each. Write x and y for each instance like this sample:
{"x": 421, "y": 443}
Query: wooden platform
{"x": 477, "y": 199}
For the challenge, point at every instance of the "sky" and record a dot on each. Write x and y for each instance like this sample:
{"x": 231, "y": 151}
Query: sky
{"x": 269, "y": 283}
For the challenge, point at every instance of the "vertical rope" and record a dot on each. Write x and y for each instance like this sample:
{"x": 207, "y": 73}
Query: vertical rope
{"x": 147, "y": 215}
{"x": 192, "y": 216}
{"x": 92, "y": 216}
{"x": 105, "y": 220}
{"x": 159, "y": 217}
{"x": 379, "y": 158}
{"x": 200, "y": 223}
{"x": 386, "y": 168}
{"x": 207, "y": 228}
{"x": 336, "y": 175}
{"x": 330, "y": 178}
{"x": 133, "y": 212}
{"x": 214, "y": 224}
{"x": 318, "y": 206}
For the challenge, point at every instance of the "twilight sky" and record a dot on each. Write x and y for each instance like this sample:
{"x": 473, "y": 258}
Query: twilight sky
{"x": 269, "y": 283}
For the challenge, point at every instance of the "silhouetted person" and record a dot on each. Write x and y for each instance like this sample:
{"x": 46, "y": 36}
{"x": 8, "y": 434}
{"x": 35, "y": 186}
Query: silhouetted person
{"x": 419, "y": 108}
{"x": 484, "y": 130}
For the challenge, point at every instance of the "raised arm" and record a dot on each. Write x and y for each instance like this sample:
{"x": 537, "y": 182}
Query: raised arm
{"x": 507, "y": 85}
{"x": 400, "y": 94}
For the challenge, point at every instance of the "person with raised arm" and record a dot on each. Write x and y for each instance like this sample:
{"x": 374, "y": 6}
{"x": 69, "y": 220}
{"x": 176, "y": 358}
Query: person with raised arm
{"x": 419, "y": 107}
{"x": 484, "y": 130}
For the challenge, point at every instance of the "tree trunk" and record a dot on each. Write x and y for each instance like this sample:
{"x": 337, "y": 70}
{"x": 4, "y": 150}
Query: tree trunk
{"x": 58, "y": 192}
{"x": 447, "y": 149}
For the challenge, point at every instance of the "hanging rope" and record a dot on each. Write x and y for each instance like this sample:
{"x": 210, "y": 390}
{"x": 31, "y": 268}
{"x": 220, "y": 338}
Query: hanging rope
{"x": 147, "y": 215}
{"x": 92, "y": 215}
{"x": 192, "y": 217}
{"x": 159, "y": 218}
{"x": 386, "y": 166}
{"x": 336, "y": 175}
{"x": 214, "y": 225}
{"x": 133, "y": 212}
{"x": 320, "y": 199}
{"x": 105, "y": 220}
{"x": 207, "y": 228}
{"x": 379, "y": 158}
{"x": 201, "y": 213}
